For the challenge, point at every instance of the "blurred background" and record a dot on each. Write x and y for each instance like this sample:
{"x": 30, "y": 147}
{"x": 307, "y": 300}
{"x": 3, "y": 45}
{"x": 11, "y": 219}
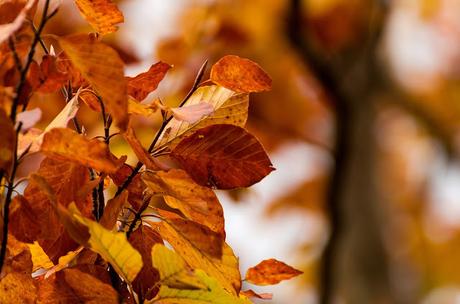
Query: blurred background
{"x": 362, "y": 125}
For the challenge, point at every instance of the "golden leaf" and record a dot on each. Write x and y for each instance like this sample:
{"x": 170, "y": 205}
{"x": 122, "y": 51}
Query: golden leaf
{"x": 103, "y": 15}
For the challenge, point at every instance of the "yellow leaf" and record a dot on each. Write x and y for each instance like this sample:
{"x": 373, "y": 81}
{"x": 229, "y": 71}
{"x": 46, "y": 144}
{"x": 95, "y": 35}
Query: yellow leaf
{"x": 229, "y": 108}
{"x": 102, "y": 67}
{"x": 225, "y": 270}
{"x": 112, "y": 246}
{"x": 134, "y": 107}
{"x": 39, "y": 258}
{"x": 103, "y": 15}
{"x": 196, "y": 202}
{"x": 201, "y": 287}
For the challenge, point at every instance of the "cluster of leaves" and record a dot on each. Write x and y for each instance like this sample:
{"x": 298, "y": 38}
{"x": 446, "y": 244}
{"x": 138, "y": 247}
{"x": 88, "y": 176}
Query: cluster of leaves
{"x": 61, "y": 240}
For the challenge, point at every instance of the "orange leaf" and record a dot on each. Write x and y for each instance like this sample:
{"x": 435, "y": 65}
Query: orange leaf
{"x": 103, "y": 15}
{"x": 67, "y": 144}
{"x": 252, "y": 294}
{"x": 14, "y": 17}
{"x": 101, "y": 66}
{"x": 143, "y": 240}
{"x": 7, "y": 135}
{"x": 240, "y": 75}
{"x": 143, "y": 156}
{"x": 113, "y": 209}
{"x": 17, "y": 287}
{"x": 270, "y": 272}
{"x": 223, "y": 156}
{"x": 143, "y": 84}
{"x": 196, "y": 202}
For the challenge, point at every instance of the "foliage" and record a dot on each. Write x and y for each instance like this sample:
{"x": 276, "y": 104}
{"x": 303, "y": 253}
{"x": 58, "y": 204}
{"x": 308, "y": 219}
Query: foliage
{"x": 68, "y": 237}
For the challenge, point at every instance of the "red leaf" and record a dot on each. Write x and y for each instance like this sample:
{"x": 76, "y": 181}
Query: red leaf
{"x": 223, "y": 156}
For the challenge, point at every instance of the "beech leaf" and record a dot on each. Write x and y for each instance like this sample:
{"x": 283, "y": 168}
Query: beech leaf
{"x": 67, "y": 144}
{"x": 229, "y": 108}
{"x": 145, "y": 83}
{"x": 7, "y": 135}
{"x": 223, "y": 156}
{"x": 8, "y": 29}
{"x": 102, "y": 67}
{"x": 240, "y": 75}
{"x": 270, "y": 272}
{"x": 192, "y": 113}
{"x": 103, "y": 15}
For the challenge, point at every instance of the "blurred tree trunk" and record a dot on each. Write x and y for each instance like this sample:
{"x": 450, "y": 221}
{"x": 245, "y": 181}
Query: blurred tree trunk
{"x": 354, "y": 265}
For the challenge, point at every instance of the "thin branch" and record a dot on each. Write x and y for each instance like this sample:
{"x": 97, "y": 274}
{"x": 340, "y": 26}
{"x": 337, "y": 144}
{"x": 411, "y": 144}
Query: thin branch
{"x": 138, "y": 216}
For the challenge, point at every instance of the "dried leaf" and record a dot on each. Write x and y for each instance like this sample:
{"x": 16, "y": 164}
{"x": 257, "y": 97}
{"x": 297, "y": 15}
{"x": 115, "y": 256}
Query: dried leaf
{"x": 91, "y": 100}
{"x": 192, "y": 113}
{"x": 196, "y": 202}
{"x": 101, "y": 66}
{"x": 103, "y": 15}
{"x": 143, "y": 84}
{"x": 47, "y": 77}
{"x": 223, "y": 156}
{"x": 143, "y": 156}
{"x": 270, "y": 272}
{"x": 67, "y": 144}
{"x": 143, "y": 239}
{"x": 7, "y": 29}
{"x": 229, "y": 108}
{"x": 29, "y": 118}
{"x": 113, "y": 209}
{"x": 17, "y": 287}
{"x": 23, "y": 223}
{"x": 7, "y": 135}
{"x": 252, "y": 294}
{"x": 240, "y": 75}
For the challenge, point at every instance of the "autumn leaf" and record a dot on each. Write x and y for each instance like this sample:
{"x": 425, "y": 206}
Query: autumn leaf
{"x": 101, "y": 66}
{"x": 143, "y": 156}
{"x": 252, "y": 294}
{"x": 23, "y": 223}
{"x": 225, "y": 269}
{"x": 143, "y": 239}
{"x": 181, "y": 285}
{"x": 143, "y": 84}
{"x": 229, "y": 108}
{"x": 240, "y": 75}
{"x": 29, "y": 118}
{"x": 103, "y": 15}
{"x": 113, "y": 209}
{"x": 40, "y": 259}
{"x": 223, "y": 156}
{"x": 192, "y": 113}
{"x": 67, "y": 144}
{"x": 135, "y": 107}
{"x": 112, "y": 246}
{"x": 270, "y": 272}
{"x": 46, "y": 77}
{"x": 7, "y": 138}
{"x": 196, "y": 202}
{"x": 13, "y": 22}
{"x": 17, "y": 287}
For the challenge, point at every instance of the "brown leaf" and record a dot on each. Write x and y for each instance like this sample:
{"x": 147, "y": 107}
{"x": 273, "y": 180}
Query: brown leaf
{"x": 252, "y": 294}
{"x": 199, "y": 236}
{"x": 91, "y": 100}
{"x": 101, "y": 66}
{"x": 7, "y": 135}
{"x": 46, "y": 77}
{"x": 143, "y": 240}
{"x": 223, "y": 156}
{"x": 196, "y": 202}
{"x": 143, "y": 156}
{"x": 17, "y": 287}
{"x": 23, "y": 223}
{"x": 270, "y": 272}
{"x": 143, "y": 84}
{"x": 67, "y": 144}
{"x": 103, "y": 15}
{"x": 240, "y": 75}
{"x": 113, "y": 209}
{"x": 135, "y": 188}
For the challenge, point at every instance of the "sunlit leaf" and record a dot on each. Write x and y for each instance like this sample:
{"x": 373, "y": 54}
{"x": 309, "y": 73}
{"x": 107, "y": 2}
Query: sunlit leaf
{"x": 40, "y": 259}
{"x": 229, "y": 108}
{"x": 143, "y": 84}
{"x": 223, "y": 156}
{"x": 192, "y": 113}
{"x": 270, "y": 272}
{"x": 67, "y": 144}
{"x": 196, "y": 202}
{"x": 103, "y": 15}
{"x": 101, "y": 66}
{"x": 240, "y": 75}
